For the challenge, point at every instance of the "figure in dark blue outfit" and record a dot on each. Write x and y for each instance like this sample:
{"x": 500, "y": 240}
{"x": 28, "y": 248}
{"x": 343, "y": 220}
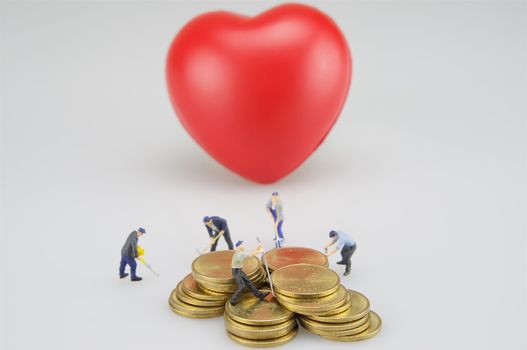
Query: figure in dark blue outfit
{"x": 275, "y": 209}
{"x": 217, "y": 227}
{"x": 129, "y": 254}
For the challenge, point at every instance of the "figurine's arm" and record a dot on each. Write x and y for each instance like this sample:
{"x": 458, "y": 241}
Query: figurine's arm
{"x": 257, "y": 250}
{"x": 215, "y": 238}
{"x": 133, "y": 245}
{"x": 209, "y": 230}
{"x": 330, "y": 243}
{"x": 333, "y": 251}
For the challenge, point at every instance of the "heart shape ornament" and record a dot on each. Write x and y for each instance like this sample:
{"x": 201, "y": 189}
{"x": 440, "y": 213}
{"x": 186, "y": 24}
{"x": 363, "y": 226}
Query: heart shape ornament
{"x": 259, "y": 94}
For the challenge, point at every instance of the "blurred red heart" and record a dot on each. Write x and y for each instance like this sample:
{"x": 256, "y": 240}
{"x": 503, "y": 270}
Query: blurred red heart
{"x": 259, "y": 94}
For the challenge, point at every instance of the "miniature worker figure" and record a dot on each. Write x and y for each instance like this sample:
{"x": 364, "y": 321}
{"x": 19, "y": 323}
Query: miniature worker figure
{"x": 241, "y": 278}
{"x": 275, "y": 210}
{"x": 342, "y": 240}
{"x": 217, "y": 227}
{"x": 129, "y": 254}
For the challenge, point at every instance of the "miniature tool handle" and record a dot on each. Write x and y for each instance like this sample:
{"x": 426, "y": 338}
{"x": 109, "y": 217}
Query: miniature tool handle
{"x": 264, "y": 259}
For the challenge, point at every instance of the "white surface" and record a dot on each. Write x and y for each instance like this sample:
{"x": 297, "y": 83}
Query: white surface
{"x": 426, "y": 169}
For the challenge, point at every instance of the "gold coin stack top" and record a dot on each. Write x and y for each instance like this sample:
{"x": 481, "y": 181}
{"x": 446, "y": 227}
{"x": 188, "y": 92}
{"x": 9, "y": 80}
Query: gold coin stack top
{"x": 256, "y": 323}
{"x": 203, "y": 293}
{"x": 280, "y": 257}
{"x": 213, "y": 271}
{"x": 308, "y": 289}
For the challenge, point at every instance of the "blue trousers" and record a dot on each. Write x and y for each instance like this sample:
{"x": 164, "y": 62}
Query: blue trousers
{"x": 279, "y": 228}
{"x": 128, "y": 260}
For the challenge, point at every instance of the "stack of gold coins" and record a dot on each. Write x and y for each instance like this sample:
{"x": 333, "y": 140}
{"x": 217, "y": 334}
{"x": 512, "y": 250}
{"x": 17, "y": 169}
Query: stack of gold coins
{"x": 190, "y": 300}
{"x": 280, "y": 257}
{"x": 355, "y": 322}
{"x": 326, "y": 307}
{"x": 213, "y": 271}
{"x": 256, "y": 323}
{"x": 308, "y": 289}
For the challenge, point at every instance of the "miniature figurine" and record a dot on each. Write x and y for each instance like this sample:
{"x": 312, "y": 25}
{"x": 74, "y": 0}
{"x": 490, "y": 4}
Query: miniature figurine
{"x": 217, "y": 227}
{"x": 275, "y": 209}
{"x": 242, "y": 280}
{"x": 129, "y": 254}
{"x": 341, "y": 240}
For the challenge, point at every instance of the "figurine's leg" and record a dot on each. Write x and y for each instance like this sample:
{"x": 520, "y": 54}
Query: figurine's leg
{"x": 279, "y": 229}
{"x": 228, "y": 239}
{"x": 347, "y": 252}
{"x": 280, "y": 234}
{"x": 249, "y": 285}
{"x": 236, "y": 274}
{"x": 133, "y": 267}
{"x": 122, "y": 266}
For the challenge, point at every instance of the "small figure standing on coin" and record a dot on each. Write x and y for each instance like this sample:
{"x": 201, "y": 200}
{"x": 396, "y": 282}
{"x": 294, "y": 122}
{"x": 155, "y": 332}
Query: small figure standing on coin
{"x": 217, "y": 227}
{"x": 241, "y": 278}
{"x": 275, "y": 209}
{"x": 341, "y": 240}
{"x": 129, "y": 254}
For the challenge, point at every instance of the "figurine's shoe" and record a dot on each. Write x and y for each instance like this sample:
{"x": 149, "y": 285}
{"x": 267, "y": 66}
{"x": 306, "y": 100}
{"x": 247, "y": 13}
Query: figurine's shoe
{"x": 123, "y": 276}
{"x": 137, "y": 279}
{"x": 263, "y": 295}
{"x": 341, "y": 262}
{"x": 346, "y": 273}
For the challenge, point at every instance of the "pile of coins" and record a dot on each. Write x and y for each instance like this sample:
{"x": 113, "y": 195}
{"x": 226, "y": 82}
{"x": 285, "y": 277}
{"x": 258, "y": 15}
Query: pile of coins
{"x": 325, "y": 307}
{"x": 189, "y": 299}
{"x": 203, "y": 293}
{"x": 277, "y": 258}
{"x": 306, "y": 292}
{"x": 256, "y": 323}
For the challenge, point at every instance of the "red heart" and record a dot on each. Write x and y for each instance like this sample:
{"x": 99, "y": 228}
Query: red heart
{"x": 259, "y": 94}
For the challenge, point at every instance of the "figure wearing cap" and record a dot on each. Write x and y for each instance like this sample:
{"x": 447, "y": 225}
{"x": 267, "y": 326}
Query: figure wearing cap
{"x": 217, "y": 227}
{"x": 242, "y": 280}
{"x": 275, "y": 209}
{"x": 342, "y": 240}
{"x": 129, "y": 254}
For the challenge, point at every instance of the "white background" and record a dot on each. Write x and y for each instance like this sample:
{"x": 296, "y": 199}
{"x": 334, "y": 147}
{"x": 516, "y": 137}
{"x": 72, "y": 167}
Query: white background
{"x": 426, "y": 168}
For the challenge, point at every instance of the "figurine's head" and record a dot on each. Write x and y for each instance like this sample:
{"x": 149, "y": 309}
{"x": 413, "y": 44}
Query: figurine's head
{"x": 207, "y": 220}
{"x": 239, "y": 246}
{"x": 333, "y": 234}
{"x": 140, "y": 231}
{"x": 274, "y": 197}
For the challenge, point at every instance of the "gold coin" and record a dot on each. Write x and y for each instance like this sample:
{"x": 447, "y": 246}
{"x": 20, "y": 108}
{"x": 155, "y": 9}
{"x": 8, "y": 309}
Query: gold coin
{"x": 342, "y": 308}
{"x": 334, "y": 327}
{"x": 228, "y": 288}
{"x": 314, "y": 306}
{"x": 360, "y": 306}
{"x": 305, "y": 281}
{"x": 216, "y": 267}
{"x": 371, "y": 331}
{"x": 251, "y": 311}
{"x": 259, "y": 332}
{"x": 280, "y": 257}
{"x": 193, "y": 289}
{"x": 181, "y": 295}
{"x": 347, "y": 332}
{"x": 264, "y": 343}
{"x": 178, "y": 304}
{"x": 193, "y": 315}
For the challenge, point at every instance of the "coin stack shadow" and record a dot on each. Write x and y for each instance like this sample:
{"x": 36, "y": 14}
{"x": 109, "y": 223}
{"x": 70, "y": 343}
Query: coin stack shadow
{"x": 203, "y": 293}
{"x": 325, "y": 307}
